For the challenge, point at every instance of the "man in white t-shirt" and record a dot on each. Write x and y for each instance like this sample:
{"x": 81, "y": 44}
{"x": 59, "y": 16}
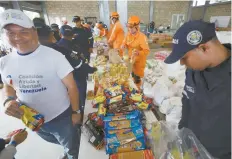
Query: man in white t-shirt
{"x": 42, "y": 79}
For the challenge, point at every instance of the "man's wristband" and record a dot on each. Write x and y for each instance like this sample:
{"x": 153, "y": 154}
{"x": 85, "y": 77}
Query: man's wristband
{"x": 13, "y": 143}
{"x": 10, "y": 98}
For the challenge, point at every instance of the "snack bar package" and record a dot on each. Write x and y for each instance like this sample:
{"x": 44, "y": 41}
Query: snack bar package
{"x": 135, "y": 145}
{"x": 31, "y": 118}
{"x": 98, "y": 100}
{"x": 116, "y": 138}
{"x": 122, "y": 107}
{"x": 144, "y": 154}
{"x": 116, "y": 99}
{"x": 113, "y": 91}
{"x": 129, "y": 116}
{"x": 101, "y": 110}
{"x": 143, "y": 105}
{"x": 122, "y": 124}
{"x": 137, "y": 97}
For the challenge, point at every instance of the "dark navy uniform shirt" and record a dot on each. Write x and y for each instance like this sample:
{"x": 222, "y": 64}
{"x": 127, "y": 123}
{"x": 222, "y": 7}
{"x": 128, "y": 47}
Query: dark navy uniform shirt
{"x": 207, "y": 107}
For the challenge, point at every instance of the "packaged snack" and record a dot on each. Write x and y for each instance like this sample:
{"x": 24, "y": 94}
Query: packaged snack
{"x": 113, "y": 91}
{"x": 144, "y": 154}
{"x": 122, "y": 124}
{"x": 94, "y": 135}
{"x": 116, "y": 99}
{"x": 98, "y": 100}
{"x": 90, "y": 95}
{"x": 116, "y": 138}
{"x": 121, "y": 108}
{"x": 101, "y": 110}
{"x": 143, "y": 105}
{"x": 130, "y": 115}
{"x": 136, "y": 145}
{"x": 96, "y": 119}
{"x": 31, "y": 118}
{"x": 137, "y": 97}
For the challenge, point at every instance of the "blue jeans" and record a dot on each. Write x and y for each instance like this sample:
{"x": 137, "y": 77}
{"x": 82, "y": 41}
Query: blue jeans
{"x": 82, "y": 87}
{"x": 62, "y": 132}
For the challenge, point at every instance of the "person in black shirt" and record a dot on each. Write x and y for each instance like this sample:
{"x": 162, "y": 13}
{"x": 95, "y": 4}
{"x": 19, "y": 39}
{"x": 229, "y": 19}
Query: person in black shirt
{"x": 81, "y": 72}
{"x": 83, "y": 37}
{"x": 206, "y": 98}
{"x": 56, "y": 31}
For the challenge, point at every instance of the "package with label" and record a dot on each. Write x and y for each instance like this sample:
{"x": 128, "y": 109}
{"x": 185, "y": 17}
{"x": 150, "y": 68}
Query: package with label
{"x": 98, "y": 122}
{"x": 123, "y": 136}
{"x": 135, "y": 145}
{"x": 101, "y": 110}
{"x": 143, "y": 105}
{"x": 116, "y": 99}
{"x": 129, "y": 116}
{"x": 144, "y": 154}
{"x": 113, "y": 91}
{"x": 120, "y": 108}
{"x": 95, "y": 136}
{"x": 31, "y": 118}
{"x": 122, "y": 124}
{"x": 98, "y": 100}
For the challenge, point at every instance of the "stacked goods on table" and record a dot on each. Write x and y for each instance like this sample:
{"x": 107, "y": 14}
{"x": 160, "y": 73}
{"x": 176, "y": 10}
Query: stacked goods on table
{"x": 120, "y": 111}
{"x": 165, "y": 83}
{"x": 162, "y": 39}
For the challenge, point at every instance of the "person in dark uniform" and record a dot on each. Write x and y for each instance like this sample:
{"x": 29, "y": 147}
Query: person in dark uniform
{"x": 83, "y": 37}
{"x": 206, "y": 98}
{"x": 56, "y": 31}
{"x": 83, "y": 69}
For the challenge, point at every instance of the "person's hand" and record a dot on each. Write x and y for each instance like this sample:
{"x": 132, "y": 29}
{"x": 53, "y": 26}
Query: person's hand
{"x": 19, "y": 137}
{"x": 76, "y": 119}
{"x": 12, "y": 109}
{"x": 90, "y": 50}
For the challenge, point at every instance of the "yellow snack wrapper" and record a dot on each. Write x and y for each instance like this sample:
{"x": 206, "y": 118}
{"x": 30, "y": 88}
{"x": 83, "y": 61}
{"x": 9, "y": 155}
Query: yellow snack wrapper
{"x": 31, "y": 118}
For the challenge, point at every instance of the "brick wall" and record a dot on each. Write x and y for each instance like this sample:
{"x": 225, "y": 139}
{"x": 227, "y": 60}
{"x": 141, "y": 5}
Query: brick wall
{"x": 60, "y": 9}
{"x": 139, "y": 8}
{"x": 163, "y": 11}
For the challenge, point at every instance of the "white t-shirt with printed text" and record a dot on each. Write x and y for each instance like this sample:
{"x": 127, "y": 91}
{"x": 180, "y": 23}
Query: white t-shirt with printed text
{"x": 37, "y": 79}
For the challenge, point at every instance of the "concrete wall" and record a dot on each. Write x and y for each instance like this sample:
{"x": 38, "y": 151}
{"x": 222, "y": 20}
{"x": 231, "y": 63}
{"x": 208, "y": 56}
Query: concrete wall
{"x": 68, "y": 9}
{"x": 139, "y": 8}
{"x": 163, "y": 11}
{"x": 223, "y": 9}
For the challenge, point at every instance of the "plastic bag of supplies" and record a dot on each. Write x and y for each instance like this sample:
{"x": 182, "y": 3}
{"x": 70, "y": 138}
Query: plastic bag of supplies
{"x": 167, "y": 142}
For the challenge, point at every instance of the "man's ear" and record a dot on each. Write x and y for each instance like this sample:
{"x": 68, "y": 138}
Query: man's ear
{"x": 204, "y": 47}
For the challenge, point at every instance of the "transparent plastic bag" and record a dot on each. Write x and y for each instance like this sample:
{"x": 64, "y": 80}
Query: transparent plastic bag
{"x": 167, "y": 142}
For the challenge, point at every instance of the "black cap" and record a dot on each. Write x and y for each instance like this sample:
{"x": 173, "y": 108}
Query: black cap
{"x": 66, "y": 30}
{"x": 54, "y": 26}
{"x": 38, "y": 22}
{"x": 44, "y": 31}
{"x": 188, "y": 37}
{"x": 76, "y": 19}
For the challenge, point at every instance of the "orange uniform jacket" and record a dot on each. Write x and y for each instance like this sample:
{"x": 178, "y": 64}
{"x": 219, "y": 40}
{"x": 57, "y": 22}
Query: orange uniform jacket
{"x": 103, "y": 32}
{"x": 138, "y": 42}
{"x": 117, "y": 35}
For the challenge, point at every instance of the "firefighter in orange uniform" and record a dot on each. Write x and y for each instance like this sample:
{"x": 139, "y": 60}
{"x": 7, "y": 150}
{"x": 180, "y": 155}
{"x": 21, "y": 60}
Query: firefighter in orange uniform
{"x": 138, "y": 49}
{"x": 117, "y": 33}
